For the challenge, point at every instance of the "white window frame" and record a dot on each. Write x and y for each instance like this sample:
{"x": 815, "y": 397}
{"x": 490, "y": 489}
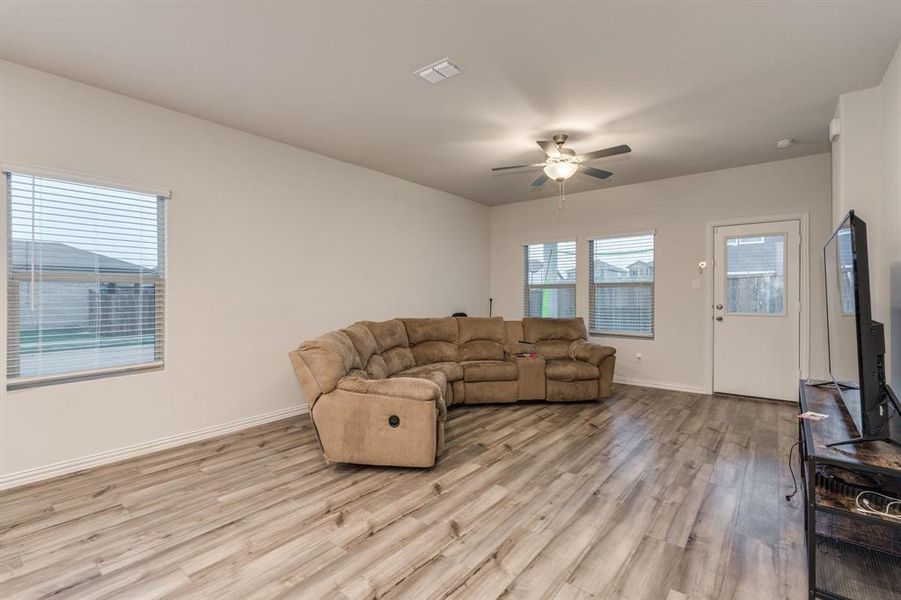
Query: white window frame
{"x": 526, "y": 287}
{"x": 592, "y": 285}
{"x": 8, "y": 168}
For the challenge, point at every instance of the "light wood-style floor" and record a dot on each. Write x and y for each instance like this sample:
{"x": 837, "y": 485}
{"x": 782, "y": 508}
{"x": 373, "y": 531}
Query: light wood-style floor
{"x": 651, "y": 495}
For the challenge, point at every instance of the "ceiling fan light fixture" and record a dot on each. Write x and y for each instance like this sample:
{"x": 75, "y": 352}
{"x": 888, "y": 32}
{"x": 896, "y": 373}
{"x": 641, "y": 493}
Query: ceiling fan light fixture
{"x": 558, "y": 171}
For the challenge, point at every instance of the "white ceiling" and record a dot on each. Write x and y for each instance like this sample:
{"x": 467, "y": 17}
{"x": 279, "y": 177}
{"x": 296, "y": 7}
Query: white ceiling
{"x": 691, "y": 86}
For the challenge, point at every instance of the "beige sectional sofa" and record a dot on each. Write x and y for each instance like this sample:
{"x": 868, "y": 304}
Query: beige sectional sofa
{"x": 378, "y": 392}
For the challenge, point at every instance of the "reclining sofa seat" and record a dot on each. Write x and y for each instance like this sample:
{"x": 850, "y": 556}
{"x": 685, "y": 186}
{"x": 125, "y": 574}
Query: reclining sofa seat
{"x": 378, "y": 392}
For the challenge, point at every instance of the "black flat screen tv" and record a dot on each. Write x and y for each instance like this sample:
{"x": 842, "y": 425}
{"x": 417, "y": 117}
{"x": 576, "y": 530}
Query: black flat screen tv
{"x": 856, "y": 342}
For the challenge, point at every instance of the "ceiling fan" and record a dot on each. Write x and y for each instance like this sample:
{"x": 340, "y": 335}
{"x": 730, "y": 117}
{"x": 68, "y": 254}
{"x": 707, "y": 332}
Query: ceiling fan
{"x": 562, "y": 163}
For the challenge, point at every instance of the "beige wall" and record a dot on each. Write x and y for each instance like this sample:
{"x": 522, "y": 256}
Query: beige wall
{"x": 679, "y": 210}
{"x": 866, "y": 162}
{"x": 268, "y": 245}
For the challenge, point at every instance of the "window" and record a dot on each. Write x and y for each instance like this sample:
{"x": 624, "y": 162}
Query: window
{"x": 621, "y": 285}
{"x": 755, "y": 275}
{"x": 549, "y": 282}
{"x": 86, "y": 279}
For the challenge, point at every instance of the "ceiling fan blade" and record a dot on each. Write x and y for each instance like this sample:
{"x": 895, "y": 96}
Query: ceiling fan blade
{"x": 599, "y": 173}
{"x": 612, "y": 151}
{"x": 550, "y": 148}
{"x": 540, "y": 181}
{"x": 533, "y": 165}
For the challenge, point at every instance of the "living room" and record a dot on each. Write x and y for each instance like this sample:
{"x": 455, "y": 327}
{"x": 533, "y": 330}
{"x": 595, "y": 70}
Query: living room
{"x": 296, "y": 306}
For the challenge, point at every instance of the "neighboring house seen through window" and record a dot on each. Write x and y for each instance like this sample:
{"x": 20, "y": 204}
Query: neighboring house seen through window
{"x": 86, "y": 279}
{"x": 621, "y": 285}
{"x": 549, "y": 279}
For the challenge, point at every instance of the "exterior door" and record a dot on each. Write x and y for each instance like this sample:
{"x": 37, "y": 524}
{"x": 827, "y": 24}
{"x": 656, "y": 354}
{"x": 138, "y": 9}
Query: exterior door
{"x": 756, "y": 310}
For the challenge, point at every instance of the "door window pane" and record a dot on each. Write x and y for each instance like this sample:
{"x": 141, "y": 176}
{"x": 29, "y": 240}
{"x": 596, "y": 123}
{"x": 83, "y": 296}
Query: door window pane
{"x": 755, "y": 275}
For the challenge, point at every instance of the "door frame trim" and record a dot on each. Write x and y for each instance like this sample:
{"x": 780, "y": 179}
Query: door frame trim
{"x": 804, "y": 290}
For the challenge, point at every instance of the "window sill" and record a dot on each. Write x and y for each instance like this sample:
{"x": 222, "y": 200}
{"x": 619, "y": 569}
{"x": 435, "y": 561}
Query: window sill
{"x": 639, "y": 336}
{"x": 33, "y": 382}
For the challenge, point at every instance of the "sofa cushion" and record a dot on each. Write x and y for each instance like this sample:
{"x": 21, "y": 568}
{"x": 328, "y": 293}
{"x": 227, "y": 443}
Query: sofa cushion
{"x": 439, "y": 379}
{"x": 389, "y": 334}
{"x": 377, "y": 368}
{"x": 398, "y": 359}
{"x": 363, "y": 341}
{"x": 435, "y": 351}
{"x": 481, "y": 338}
{"x": 481, "y": 328}
{"x": 570, "y": 370}
{"x": 538, "y": 329}
{"x": 432, "y": 340}
{"x": 489, "y": 370}
{"x": 554, "y": 349}
{"x": 431, "y": 330}
{"x": 452, "y": 370}
{"x": 482, "y": 350}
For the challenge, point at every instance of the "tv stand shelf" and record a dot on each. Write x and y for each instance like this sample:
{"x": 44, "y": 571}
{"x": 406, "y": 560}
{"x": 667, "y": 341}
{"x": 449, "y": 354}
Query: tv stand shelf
{"x": 850, "y": 554}
{"x": 841, "y": 504}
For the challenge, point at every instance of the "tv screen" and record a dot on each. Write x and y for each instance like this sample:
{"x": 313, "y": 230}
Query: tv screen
{"x": 841, "y": 308}
{"x": 856, "y": 341}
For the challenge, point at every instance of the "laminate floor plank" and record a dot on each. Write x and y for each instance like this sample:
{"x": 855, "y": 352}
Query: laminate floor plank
{"x": 650, "y": 494}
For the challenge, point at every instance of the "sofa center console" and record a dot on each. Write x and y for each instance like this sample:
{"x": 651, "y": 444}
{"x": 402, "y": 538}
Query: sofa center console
{"x": 531, "y": 377}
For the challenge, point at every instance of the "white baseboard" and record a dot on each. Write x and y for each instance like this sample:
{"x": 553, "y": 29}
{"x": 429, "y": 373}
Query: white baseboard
{"x": 65, "y": 467}
{"x": 663, "y": 385}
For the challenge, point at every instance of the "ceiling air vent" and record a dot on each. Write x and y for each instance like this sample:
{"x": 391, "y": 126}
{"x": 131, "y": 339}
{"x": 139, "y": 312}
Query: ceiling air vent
{"x": 438, "y": 71}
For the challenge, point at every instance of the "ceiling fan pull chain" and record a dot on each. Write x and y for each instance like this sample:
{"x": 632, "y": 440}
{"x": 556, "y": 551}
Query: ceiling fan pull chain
{"x": 561, "y": 204}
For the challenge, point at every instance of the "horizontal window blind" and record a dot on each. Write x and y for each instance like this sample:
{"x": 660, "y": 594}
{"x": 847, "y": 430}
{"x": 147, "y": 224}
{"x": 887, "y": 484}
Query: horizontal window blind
{"x": 86, "y": 279}
{"x": 621, "y": 285}
{"x": 549, "y": 279}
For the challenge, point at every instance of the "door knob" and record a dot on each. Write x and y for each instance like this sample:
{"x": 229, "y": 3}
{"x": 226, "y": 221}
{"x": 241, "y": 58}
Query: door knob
{"x": 719, "y": 318}
{"x": 719, "y": 307}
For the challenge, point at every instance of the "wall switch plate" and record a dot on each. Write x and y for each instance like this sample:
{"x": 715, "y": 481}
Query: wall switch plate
{"x": 695, "y": 284}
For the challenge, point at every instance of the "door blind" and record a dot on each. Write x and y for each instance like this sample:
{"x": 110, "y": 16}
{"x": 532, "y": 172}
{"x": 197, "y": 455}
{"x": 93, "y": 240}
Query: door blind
{"x": 86, "y": 279}
{"x": 549, "y": 279}
{"x": 621, "y": 285}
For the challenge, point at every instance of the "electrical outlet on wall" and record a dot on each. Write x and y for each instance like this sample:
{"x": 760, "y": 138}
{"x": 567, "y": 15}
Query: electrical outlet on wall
{"x": 696, "y": 284}
{"x": 638, "y": 356}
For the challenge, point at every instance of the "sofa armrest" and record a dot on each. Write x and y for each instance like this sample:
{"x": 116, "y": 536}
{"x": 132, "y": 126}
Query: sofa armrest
{"x": 410, "y": 388}
{"x": 374, "y": 429}
{"x": 590, "y": 353}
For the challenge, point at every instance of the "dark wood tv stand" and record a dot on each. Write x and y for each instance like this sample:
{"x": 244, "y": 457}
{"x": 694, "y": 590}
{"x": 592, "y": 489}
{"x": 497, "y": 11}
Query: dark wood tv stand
{"x": 849, "y": 554}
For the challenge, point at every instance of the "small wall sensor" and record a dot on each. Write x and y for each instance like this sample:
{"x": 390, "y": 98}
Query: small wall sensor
{"x": 835, "y": 130}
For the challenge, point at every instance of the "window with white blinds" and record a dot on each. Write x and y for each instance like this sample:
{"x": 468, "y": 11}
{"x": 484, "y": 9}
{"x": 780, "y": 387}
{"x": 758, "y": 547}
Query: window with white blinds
{"x": 549, "y": 279}
{"x": 621, "y": 285}
{"x": 86, "y": 279}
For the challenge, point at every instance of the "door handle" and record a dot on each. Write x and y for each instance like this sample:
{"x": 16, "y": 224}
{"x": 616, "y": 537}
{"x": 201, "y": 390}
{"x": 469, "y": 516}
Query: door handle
{"x": 719, "y": 318}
